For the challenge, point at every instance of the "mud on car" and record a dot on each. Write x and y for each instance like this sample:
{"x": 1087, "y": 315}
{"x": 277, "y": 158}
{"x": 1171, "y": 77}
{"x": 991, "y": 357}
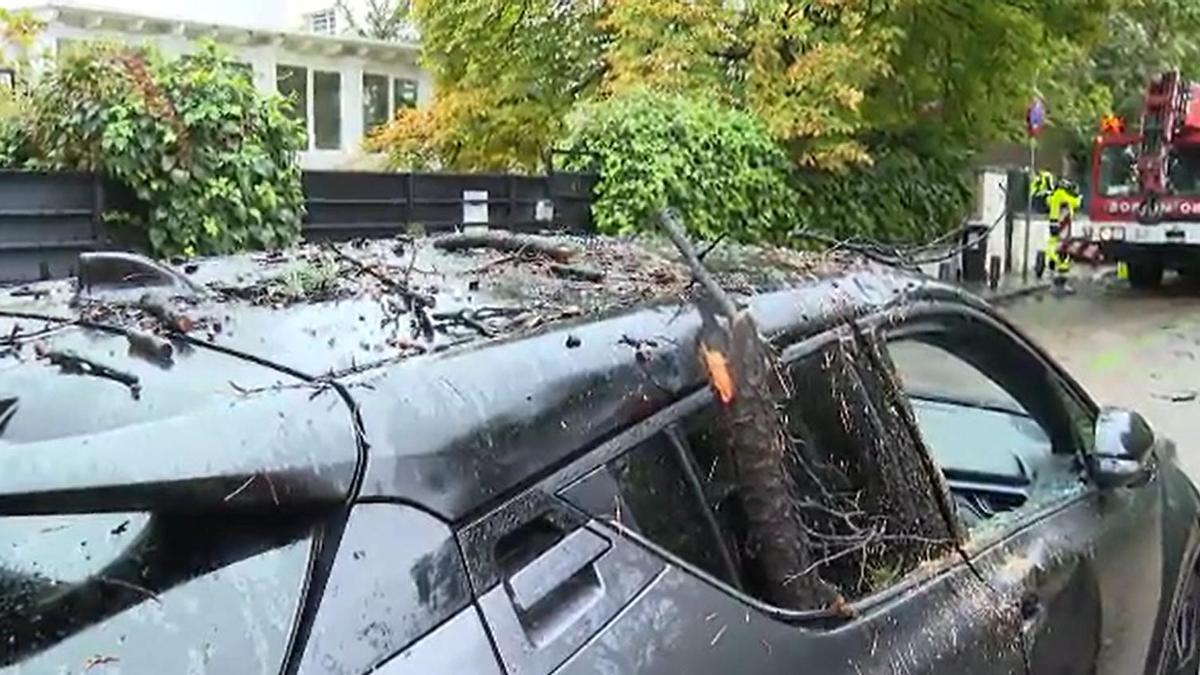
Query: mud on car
{"x": 426, "y": 455}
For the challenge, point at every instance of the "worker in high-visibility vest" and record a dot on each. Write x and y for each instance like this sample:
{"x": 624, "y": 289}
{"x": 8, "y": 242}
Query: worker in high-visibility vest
{"x": 1041, "y": 187}
{"x": 1062, "y": 203}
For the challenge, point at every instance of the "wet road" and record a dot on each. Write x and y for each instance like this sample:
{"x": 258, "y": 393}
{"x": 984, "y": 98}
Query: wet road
{"x": 1131, "y": 349}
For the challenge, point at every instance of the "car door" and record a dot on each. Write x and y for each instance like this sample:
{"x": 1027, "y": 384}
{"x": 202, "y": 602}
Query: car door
{"x": 1010, "y": 431}
{"x": 633, "y": 573}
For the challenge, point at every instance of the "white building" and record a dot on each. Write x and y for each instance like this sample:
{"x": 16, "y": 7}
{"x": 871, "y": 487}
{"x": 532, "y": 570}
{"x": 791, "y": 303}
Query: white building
{"x": 343, "y": 85}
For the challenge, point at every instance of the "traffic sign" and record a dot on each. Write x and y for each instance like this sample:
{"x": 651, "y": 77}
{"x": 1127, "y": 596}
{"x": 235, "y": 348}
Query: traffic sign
{"x": 1035, "y": 117}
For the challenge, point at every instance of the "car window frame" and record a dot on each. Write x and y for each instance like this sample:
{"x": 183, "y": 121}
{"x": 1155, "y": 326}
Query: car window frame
{"x": 670, "y": 417}
{"x": 893, "y": 327}
{"x": 893, "y": 324}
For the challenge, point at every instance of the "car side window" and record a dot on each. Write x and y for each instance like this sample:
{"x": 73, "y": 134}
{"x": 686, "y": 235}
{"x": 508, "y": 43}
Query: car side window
{"x": 1004, "y": 429}
{"x": 866, "y": 508}
{"x": 647, "y": 490}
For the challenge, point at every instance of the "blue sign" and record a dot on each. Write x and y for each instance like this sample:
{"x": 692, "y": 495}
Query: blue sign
{"x": 1035, "y": 117}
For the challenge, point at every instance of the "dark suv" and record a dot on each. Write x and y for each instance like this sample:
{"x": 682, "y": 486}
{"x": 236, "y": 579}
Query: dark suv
{"x": 416, "y": 457}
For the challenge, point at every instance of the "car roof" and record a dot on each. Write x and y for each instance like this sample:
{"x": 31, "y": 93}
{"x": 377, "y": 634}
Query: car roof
{"x": 308, "y": 365}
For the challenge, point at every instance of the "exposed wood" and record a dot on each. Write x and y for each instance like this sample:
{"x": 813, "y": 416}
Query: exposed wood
{"x": 150, "y": 347}
{"x": 165, "y": 315}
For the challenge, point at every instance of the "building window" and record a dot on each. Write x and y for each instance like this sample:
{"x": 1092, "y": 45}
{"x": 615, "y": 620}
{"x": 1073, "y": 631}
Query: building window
{"x": 327, "y": 110}
{"x": 404, "y": 94}
{"x": 323, "y": 22}
{"x": 375, "y": 101}
{"x": 292, "y": 83}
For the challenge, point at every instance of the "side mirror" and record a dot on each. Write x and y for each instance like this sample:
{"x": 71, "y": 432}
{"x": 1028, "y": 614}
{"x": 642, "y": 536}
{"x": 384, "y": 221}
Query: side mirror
{"x": 1123, "y": 455}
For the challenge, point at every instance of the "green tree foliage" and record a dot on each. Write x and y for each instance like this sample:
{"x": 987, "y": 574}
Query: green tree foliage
{"x": 1145, "y": 37}
{"x": 379, "y": 19}
{"x": 211, "y": 161}
{"x": 827, "y": 79}
{"x": 719, "y": 166}
{"x": 902, "y": 196}
{"x": 964, "y": 71}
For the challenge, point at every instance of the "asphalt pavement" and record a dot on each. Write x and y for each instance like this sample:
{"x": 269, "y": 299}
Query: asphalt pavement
{"x": 1135, "y": 349}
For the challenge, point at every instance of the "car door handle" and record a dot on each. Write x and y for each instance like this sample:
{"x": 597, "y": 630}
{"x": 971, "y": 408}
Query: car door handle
{"x": 556, "y": 567}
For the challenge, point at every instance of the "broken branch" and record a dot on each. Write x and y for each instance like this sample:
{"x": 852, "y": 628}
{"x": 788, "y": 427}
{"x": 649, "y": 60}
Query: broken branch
{"x": 675, "y": 231}
{"x": 506, "y": 242}
{"x": 150, "y": 347}
{"x": 73, "y": 364}
{"x": 411, "y": 298}
{"x": 577, "y": 273}
{"x": 167, "y": 317}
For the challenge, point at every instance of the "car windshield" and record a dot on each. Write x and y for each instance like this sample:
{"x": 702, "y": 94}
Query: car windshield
{"x": 1118, "y": 171}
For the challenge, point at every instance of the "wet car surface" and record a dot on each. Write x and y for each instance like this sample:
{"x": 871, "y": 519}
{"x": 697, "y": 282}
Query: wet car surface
{"x": 401, "y": 457}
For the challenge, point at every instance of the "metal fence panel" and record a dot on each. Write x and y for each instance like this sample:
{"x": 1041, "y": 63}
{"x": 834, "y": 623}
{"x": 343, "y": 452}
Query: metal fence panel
{"x": 47, "y": 219}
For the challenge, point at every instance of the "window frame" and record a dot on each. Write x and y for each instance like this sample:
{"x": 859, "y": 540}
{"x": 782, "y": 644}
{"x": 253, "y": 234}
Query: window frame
{"x": 389, "y": 112}
{"x": 919, "y": 316}
{"x": 337, "y": 121}
{"x": 305, "y": 115}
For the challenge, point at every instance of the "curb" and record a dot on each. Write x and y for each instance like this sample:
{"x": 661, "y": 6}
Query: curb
{"x": 1005, "y": 297}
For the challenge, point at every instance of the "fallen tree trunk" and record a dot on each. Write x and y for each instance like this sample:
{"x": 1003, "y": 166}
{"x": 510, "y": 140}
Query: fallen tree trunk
{"x": 746, "y": 376}
{"x": 837, "y": 492}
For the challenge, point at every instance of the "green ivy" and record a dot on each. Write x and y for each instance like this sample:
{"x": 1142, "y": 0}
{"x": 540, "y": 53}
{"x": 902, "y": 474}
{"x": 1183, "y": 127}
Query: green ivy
{"x": 717, "y": 165}
{"x": 210, "y": 159}
{"x": 723, "y": 171}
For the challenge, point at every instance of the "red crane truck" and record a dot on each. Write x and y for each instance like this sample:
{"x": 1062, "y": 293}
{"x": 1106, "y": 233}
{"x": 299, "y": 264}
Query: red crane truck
{"x": 1144, "y": 202}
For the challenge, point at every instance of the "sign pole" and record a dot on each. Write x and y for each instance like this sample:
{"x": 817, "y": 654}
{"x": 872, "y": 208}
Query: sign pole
{"x": 1029, "y": 208}
{"x": 1035, "y": 117}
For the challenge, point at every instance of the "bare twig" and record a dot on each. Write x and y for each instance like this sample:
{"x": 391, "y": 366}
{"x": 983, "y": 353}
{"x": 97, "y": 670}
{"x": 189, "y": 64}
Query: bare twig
{"x": 131, "y": 586}
{"x": 412, "y": 299}
{"x": 71, "y": 363}
{"x": 674, "y": 229}
{"x": 466, "y": 318}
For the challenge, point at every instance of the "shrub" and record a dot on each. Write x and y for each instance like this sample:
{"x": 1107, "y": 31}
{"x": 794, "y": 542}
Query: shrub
{"x": 211, "y": 160}
{"x": 717, "y": 165}
{"x": 904, "y": 196}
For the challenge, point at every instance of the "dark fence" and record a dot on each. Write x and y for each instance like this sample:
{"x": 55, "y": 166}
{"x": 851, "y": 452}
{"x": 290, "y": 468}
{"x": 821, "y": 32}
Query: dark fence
{"x": 344, "y": 205}
{"x": 47, "y": 219}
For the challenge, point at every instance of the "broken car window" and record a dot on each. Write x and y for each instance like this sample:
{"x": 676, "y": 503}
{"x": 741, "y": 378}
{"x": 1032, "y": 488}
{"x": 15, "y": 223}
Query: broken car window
{"x": 999, "y": 424}
{"x": 867, "y": 508}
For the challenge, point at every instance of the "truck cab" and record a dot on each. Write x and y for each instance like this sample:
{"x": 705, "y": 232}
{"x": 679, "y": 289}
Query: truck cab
{"x": 1144, "y": 205}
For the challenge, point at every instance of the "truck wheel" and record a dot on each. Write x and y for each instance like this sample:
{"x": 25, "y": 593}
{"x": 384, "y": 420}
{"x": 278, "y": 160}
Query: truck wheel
{"x": 1145, "y": 273}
